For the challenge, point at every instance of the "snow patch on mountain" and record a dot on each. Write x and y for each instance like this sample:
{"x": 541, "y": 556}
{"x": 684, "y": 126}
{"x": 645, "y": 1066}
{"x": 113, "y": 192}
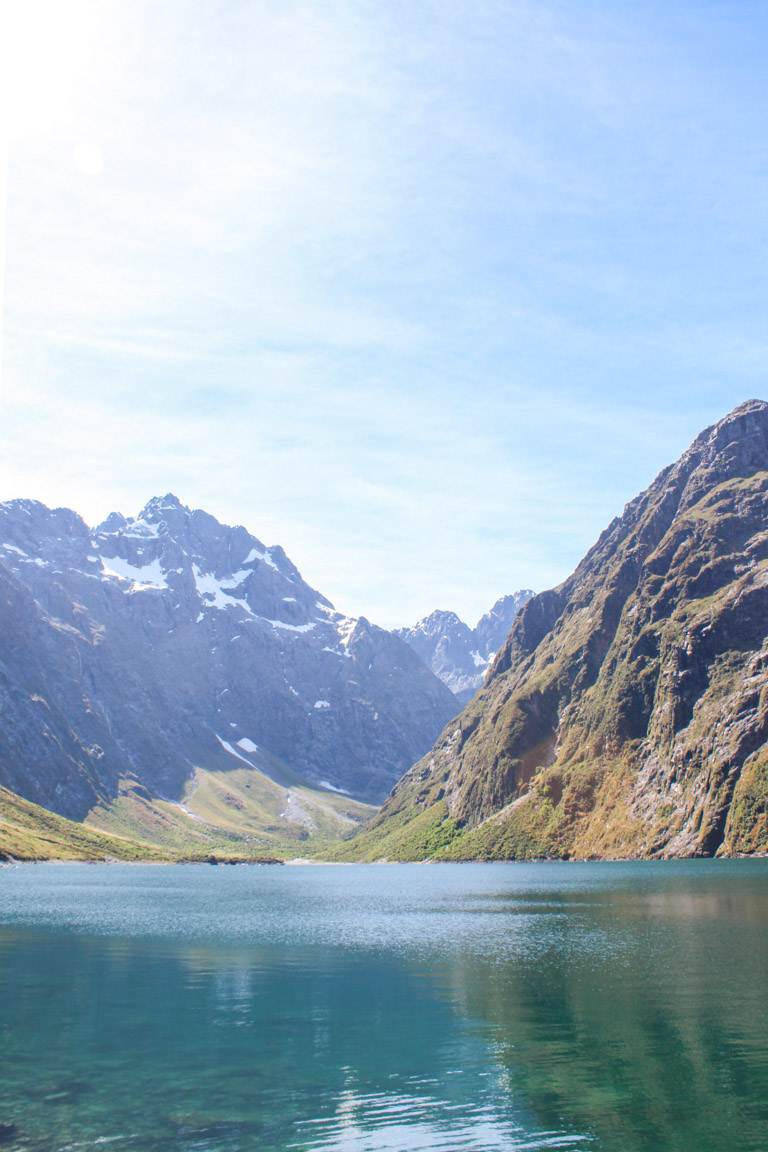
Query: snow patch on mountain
{"x": 214, "y": 593}
{"x": 147, "y": 576}
{"x": 261, "y": 554}
{"x": 233, "y": 751}
{"x": 247, "y": 745}
{"x": 290, "y": 627}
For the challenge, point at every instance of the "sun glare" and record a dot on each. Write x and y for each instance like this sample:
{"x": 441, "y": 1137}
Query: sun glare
{"x": 47, "y": 53}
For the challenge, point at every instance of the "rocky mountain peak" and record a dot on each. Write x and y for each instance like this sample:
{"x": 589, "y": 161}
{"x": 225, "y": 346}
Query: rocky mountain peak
{"x": 155, "y": 645}
{"x": 735, "y": 446}
{"x": 492, "y": 629}
{"x": 161, "y": 508}
{"x": 441, "y": 622}
{"x": 206, "y": 565}
{"x": 627, "y": 713}
{"x": 458, "y": 654}
{"x": 113, "y": 523}
{"x": 26, "y": 526}
{"x": 742, "y": 423}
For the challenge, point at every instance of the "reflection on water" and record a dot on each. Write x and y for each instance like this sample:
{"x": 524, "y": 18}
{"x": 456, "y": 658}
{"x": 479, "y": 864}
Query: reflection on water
{"x": 479, "y": 1007}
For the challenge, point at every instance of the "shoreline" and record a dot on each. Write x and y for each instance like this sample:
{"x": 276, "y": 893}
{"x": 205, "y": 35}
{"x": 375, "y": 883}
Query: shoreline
{"x": 307, "y": 862}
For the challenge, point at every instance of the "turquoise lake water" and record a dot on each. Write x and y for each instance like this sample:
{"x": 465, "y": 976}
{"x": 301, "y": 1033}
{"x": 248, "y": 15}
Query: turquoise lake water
{"x": 615, "y": 1007}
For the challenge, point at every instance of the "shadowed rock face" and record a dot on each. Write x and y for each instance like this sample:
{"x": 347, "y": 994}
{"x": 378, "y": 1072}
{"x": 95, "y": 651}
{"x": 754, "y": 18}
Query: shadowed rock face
{"x": 627, "y": 713}
{"x": 461, "y": 655}
{"x": 153, "y": 645}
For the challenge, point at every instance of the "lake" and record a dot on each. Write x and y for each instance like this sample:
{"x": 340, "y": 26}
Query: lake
{"x": 615, "y": 1007}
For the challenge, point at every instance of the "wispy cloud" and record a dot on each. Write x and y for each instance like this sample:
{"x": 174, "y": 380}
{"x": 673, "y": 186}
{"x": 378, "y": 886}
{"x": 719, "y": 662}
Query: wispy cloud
{"x": 423, "y": 292}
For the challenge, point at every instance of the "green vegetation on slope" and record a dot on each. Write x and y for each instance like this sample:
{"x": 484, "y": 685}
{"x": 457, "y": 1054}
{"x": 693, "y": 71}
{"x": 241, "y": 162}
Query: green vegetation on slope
{"x": 627, "y": 714}
{"x": 747, "y": 827}
{"x": 242, "y": 812}
{"x": 422, "y": 837}
{"x": 28, "y": 832}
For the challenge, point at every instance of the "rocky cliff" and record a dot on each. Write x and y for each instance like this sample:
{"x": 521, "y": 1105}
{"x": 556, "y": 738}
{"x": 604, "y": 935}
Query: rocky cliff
{"x": 156, "y": 646}
{"x": 627, "y": 713}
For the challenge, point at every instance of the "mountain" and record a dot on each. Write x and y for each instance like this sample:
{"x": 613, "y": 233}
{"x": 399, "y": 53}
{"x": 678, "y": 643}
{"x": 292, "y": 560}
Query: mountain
{"x": 458, "y": 654}
{"x": 29, "y": 832}
{"x": 166, "y": 674}
{"x": 627, "y": 713}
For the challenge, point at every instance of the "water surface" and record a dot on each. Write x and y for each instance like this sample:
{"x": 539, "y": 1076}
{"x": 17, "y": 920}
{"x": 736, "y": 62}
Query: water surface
{"x": 608, "y": 1007}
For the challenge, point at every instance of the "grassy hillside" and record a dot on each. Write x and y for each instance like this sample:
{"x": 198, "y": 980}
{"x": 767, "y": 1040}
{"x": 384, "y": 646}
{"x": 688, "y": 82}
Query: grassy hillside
{"x": 28, "y": 832}
{"x": 423, "y": 837}
{"x": 242, "y": 812}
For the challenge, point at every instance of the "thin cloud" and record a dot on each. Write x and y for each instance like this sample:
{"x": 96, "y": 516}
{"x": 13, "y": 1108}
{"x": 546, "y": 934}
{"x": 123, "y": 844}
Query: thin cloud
{"x": 424, "y": 293}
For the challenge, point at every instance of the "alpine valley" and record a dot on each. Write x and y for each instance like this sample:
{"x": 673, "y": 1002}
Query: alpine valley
{"x": 171, "y": 680}
{"x": 627, "y": 713}
{"x": 171, "y": 687}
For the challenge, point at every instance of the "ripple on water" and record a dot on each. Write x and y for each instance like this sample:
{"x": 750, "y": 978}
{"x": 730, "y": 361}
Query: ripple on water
{"x": 493, "y": 1008}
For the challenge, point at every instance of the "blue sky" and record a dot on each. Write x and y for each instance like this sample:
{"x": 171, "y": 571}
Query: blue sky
{"x": 424, "y": 292}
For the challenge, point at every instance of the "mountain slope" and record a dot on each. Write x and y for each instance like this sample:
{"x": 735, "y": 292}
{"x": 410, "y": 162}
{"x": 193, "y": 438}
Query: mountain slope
{"x": 241, "y": 812}
{"x": 150, "y": 649}
{"x": 460, "y": 655}
{"x": 627, "y": 714}
{"x": 29, "y": 832}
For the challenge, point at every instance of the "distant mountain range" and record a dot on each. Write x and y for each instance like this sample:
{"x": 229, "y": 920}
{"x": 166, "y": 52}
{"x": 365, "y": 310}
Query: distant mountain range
{"x": 170, "y": 677}
{"x": 627, "y": 713}
{"x": 458, "y": 654}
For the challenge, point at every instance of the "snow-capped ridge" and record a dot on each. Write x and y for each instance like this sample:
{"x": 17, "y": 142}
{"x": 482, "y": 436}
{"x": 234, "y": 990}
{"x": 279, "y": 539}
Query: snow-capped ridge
{"x": 159, "y": 506}
{"x": 195, "y": 646}
{"x": 458, "y": 654}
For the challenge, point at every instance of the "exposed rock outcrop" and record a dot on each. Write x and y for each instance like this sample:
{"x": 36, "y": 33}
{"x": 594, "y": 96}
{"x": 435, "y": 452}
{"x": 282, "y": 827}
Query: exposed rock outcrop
{"x": 627, "y": 714}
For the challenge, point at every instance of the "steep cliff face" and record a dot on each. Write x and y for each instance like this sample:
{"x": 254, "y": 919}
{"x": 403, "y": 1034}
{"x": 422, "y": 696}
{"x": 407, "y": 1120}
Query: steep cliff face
{"x": 627, "y": 714}
{"x": 153, "y": 647}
